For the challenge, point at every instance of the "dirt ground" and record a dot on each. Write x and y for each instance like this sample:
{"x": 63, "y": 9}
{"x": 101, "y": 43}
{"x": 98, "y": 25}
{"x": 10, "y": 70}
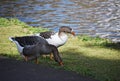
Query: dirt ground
{"x": 14, "y": 70}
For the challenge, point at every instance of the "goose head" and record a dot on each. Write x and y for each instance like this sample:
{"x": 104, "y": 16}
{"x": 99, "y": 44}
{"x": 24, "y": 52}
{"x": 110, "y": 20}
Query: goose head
{"x": 66, "y": 30}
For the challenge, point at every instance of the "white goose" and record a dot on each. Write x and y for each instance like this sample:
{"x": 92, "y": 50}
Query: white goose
{"x": 57, "y": 39}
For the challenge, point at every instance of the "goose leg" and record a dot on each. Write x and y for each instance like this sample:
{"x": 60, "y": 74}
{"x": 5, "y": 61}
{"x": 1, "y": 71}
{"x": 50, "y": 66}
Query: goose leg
{"x": 51, "y": 56}
{"x": 36, "y": 60}
{"x": 26, "y": 58}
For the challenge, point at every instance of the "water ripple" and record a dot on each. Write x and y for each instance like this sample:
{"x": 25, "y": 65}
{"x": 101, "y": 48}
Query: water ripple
{"x": 92, "y": 17}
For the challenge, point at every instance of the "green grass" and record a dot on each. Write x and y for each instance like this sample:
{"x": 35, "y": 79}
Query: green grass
{"x": 94, "y": 57}
{"x": 14, "y": 27}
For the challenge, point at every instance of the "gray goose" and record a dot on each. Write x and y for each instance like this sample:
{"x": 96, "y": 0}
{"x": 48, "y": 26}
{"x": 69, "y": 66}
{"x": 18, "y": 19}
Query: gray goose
{"x": 31, "y": 47}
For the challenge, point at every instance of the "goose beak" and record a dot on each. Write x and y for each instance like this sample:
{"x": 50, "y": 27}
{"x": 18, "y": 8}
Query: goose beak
{"x": 73, "y": 33}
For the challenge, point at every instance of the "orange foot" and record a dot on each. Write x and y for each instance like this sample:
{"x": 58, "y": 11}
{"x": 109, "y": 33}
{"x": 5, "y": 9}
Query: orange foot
{"x": 61, "y": 63}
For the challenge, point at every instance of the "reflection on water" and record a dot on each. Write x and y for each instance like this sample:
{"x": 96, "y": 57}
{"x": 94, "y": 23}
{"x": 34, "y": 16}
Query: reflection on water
{"x": 93, "y": 17}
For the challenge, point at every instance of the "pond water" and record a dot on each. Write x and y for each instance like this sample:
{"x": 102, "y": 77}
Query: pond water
{"x": 92, "y": 17}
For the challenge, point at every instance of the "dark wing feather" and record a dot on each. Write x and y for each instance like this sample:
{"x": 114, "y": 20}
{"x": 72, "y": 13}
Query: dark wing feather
{"x": 46, "y": 34}
{"x": 30, "y": 40}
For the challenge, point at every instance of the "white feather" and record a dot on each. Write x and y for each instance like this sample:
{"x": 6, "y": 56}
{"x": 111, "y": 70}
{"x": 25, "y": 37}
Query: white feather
{"x": 57, "y": 40}
{"x": 10, "y": 38}
{"x": 19, "y": 48}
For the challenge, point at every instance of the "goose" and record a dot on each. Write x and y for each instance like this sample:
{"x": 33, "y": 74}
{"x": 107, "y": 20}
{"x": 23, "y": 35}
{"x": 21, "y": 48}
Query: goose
{"x": 57, "y": 39}
{"x": 31, "y": 47}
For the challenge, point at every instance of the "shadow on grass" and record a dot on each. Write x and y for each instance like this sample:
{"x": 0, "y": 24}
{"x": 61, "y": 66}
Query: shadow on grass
{"x": 18, "y": 57}
{"x": 115, "y": 46}
{"x": 98, "y": 68}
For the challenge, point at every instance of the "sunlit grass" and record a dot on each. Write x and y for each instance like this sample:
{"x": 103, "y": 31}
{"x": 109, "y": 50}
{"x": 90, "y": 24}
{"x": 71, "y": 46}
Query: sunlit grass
{"x": 13, "y": 27}
{"x": 94, "y": 57}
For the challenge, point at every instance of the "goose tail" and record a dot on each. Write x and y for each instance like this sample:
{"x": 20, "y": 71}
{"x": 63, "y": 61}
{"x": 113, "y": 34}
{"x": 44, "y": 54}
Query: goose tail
{"x": 12, "y": 39}
{"x": 19, "y": 47}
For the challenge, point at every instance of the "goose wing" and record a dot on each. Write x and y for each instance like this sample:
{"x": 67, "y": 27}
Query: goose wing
{"x": 29, "y": 40}
{"x": 47, "y": 34}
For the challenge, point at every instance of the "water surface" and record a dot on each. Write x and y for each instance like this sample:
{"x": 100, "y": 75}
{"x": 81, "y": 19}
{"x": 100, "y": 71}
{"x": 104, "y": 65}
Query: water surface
{"x": 92, "y": 17}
